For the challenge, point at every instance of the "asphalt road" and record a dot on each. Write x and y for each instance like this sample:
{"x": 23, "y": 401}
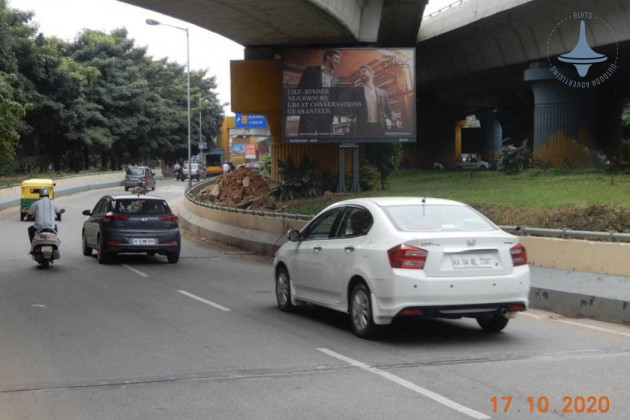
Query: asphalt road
{"x": 203, "y": 339}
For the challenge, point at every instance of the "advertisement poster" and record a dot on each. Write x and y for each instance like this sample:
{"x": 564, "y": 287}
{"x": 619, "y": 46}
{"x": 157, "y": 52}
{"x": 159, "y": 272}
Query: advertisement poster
{"x": 250, "y": 151}
{"x": 348, "y": 95}
{"x": 238, "y": 149}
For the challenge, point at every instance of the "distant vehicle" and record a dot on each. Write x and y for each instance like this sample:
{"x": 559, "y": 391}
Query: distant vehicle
{"x": 253, "y": 165}
{"x": 438, "y": 165}
{"x": 131, "y": 223}
{"x": 383, "y": 258}
{"x": 196, "y": 171}
{"x": 30, "y": 194}
{"x": 214, "y": 161}
{"x": 141, "y": 176}
{"x": 472, "y": 162}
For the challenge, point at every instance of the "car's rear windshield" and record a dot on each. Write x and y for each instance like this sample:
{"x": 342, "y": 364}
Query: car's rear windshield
{"x": 135, "y": 171}
{"x": 140, "y": 206}
{"x": 436, "y": 218}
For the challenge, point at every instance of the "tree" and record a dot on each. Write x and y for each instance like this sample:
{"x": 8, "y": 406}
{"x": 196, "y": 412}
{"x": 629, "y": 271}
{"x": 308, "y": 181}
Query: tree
{"x": 11, "y": 113}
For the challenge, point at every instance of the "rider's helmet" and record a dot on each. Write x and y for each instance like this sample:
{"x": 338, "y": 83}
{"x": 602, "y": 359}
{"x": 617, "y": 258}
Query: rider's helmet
{"x": 43, "y": 192}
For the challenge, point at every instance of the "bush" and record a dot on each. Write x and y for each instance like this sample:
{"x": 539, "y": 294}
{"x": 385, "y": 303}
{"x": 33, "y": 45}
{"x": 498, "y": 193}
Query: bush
{"x": 369, "y": 178}
{"x": 297, "y": 181}
{"x": 513, "y": 160}
{"x": 265, "y": 164}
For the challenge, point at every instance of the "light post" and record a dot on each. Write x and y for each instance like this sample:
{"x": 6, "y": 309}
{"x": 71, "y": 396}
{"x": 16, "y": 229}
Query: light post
{"x": 201, "y": 99}
{"x": 155, "y": 22}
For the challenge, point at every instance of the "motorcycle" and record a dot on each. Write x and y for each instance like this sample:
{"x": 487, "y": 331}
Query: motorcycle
{"x": 45, "y": 245}
{"x": 180, "y": 176}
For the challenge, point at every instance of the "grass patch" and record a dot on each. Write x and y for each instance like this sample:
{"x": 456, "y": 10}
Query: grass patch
{"x": 585, "y": 200}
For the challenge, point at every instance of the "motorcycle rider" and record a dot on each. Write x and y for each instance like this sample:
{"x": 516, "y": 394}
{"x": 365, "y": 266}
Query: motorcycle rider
{"x": 177, "y": 170}
{"x": 44, "y": 212}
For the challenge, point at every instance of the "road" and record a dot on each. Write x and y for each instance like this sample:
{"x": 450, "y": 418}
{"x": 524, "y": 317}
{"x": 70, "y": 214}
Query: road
{"x": 203, "y": 339}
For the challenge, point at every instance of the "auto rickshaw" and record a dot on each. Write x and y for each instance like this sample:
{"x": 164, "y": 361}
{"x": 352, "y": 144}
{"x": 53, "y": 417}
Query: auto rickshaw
{"x": 30, "y": 194}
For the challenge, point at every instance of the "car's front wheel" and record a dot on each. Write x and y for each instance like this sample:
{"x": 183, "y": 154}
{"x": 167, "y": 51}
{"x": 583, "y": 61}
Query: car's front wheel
{"x": 492, "y": 323}
{"x": 283, "y": 290}
{"x": 361, "y": 312}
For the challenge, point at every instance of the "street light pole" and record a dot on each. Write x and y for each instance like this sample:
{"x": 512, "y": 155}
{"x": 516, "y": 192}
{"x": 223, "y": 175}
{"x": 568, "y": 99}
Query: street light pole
{"x": 155, "y": 22}
{"x": 201, "y": 99}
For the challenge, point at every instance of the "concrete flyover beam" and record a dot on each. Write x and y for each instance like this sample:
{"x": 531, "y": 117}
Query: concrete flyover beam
{"x": 269, "y": 22}
{"x": 480, "y": 35}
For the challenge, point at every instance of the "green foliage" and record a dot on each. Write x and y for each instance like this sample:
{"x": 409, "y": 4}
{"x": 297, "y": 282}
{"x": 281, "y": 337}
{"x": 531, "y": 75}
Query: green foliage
{"x": 385, "y": 157}
{"x": 625, "y": 150}
{"x": 265, "y": 164}
{"x": 297, "y": 181}
{"x": 11, "y": 113}
{"x": 98, "y": 101}
{"x": 369, "y": 178}
{"x": 513, "y": 160}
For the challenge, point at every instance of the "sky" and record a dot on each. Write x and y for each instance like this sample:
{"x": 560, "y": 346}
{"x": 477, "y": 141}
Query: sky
{"x": 208, "y": 51}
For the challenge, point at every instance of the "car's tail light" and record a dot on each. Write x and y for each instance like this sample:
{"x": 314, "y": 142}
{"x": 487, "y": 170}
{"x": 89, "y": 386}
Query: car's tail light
{"x": 169, "y": 218}
{"x": 111, "y": 216}
{"x": 113, "y": 242}
{"x": 144, "y": 178}
{"x": 406, "y": 256}
{"x": 126, "y": 177}
{"x": 517, "y": 307}
{"x": 519, "y": 255}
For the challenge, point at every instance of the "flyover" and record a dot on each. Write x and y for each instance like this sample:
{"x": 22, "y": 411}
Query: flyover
{"x": 489, "y": 58}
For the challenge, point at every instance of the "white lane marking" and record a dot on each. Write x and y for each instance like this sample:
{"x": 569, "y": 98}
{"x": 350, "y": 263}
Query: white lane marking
{"x": 207, "y": 302}
{"x": 531, "y": 315}
{"x": 593, "y": 327}
{"x": 135, "y": 271}
{"x": 409, "y": 385}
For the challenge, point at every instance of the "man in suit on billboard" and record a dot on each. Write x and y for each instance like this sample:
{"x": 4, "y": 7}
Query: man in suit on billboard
{"x": 372, "y": 116}
{"x": 317, "y": 77}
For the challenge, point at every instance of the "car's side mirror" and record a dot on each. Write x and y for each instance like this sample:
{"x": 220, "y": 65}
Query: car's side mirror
{"x": 87, "y": 213}
{"x": 293, "y": 235}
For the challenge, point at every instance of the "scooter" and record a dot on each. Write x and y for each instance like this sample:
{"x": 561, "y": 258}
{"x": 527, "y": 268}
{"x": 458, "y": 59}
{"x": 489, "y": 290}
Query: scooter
{"x": 45, "y": 245}
{"x": 180, "y": 176}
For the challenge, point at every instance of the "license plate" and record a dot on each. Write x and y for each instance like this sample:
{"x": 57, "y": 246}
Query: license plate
{"x": 472, "y": 261}
{"x": 144, "y": 241}
{"x": 47, "y": 249}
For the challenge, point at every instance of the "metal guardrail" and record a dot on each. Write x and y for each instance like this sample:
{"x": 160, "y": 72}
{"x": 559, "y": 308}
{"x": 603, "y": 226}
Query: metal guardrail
{"x": 612, "y": 236}
{"x": 448, "y": 6}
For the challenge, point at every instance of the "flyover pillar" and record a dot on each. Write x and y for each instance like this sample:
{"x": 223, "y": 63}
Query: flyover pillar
{"x": 565, "y": 119}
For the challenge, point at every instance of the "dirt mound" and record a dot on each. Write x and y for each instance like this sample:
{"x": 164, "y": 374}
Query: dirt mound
{"x": 238, "y": 188}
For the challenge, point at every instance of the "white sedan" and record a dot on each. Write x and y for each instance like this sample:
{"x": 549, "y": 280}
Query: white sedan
{"x": 382, "y": 258}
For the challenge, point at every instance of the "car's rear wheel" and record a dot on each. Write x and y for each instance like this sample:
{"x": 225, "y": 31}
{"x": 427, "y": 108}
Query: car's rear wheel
{"x": 87, "y": 251}
{"x": 492, "y": 323}
{"x": 361, "y": 312}
{"x": 103, "y": 256}
{"x": 173, "y": 257}
{"x": 283, "y": 290}
{"x": 22, "y": 216}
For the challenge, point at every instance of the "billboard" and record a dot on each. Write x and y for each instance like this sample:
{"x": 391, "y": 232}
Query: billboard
{"x": 348, "y": 95}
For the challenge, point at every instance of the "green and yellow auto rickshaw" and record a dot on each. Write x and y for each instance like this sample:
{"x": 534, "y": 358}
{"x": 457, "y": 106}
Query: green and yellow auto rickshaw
{"x": 30, "y": 194}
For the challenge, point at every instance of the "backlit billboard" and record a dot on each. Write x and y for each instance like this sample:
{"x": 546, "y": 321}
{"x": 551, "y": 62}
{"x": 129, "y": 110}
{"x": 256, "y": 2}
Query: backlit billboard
{"x": 349, "y": 95}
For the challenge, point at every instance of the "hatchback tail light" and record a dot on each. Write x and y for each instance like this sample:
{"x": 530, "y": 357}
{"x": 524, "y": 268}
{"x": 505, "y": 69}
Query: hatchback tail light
{"x": 169, "y": 218}
{"x": 406, "y": 256}
{"x": 144, "y": 178}
{"x": 519, "y": 255}
{"x": 111, "y": 216}
{"x": 126, "y": 177}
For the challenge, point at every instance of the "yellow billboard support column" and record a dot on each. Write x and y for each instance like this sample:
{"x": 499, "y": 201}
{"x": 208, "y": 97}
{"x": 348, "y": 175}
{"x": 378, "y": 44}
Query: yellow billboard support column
{"x": 458, "y": 138}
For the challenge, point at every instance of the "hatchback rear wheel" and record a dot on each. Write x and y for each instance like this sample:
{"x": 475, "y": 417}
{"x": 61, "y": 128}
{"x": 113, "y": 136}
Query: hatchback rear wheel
{"x": 361, "y": 312}
{"x": 173, "y": 257}
{"x": 283, "y": 290}
{"x": 103, "y": 256}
